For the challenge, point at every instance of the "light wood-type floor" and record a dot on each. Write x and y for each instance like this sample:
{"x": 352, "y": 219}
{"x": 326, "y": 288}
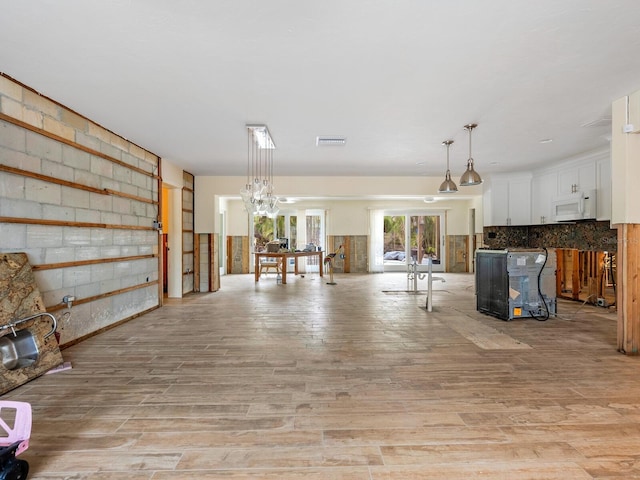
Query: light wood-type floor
{"x": 340, "y": 382}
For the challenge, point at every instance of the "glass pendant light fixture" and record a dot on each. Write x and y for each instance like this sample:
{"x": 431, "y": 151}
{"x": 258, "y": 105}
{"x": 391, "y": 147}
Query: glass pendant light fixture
{"x": 448, "y": 186}
{"x": 470, "y": 176}
{"x": 257, "y": 194}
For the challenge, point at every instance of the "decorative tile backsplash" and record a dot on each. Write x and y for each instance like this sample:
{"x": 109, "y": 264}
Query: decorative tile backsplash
{"x": 587, "y": 235}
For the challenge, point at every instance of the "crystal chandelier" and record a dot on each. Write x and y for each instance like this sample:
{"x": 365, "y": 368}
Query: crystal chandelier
{"x": 257, "y": 193}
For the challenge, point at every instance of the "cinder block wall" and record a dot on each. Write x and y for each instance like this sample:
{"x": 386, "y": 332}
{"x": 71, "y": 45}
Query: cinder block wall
{"x": 80, "y": 201}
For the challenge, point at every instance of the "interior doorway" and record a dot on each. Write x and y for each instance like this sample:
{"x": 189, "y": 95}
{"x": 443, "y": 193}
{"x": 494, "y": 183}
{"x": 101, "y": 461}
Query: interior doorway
{"x": 172, "y": 241}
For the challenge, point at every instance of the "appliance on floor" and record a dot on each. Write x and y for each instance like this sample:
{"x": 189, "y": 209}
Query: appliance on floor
{"x": 15, "y": 431}
{"x": 516, "y": 283}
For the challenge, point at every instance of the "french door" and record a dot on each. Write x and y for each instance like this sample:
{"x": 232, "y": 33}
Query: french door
{"x": 413, "y": 237}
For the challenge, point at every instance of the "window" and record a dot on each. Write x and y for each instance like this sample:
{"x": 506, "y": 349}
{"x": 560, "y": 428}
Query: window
{"x": 315, "y": 236}
{"x": 263, "y": 232}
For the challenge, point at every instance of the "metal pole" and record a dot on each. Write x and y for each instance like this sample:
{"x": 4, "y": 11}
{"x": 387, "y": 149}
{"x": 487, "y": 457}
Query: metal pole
{"x": 429, "y": 285}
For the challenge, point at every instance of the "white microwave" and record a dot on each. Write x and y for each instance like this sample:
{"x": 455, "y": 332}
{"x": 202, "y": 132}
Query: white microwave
{"x": 574, "y": 206}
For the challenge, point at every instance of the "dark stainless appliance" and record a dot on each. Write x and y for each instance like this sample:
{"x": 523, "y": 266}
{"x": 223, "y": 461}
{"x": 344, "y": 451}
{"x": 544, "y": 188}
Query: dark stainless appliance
{"x": 516, "y": 283}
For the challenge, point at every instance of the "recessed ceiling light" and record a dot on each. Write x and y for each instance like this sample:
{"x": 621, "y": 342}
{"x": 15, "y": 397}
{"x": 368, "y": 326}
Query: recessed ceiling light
{"x": 334, "y": 140}
{"x": 429, "y": 199}
{"x": 421, "y": 163}
{"x": 546, "y": 140}
{"x": 494, "y": 163}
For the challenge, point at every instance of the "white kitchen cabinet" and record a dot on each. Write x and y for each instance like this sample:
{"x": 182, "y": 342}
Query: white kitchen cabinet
{"x": 508, "y": 201}
{"x": 579, "y": 178}
{"x": 544, "y": 188}
{"x": 585, "y": 174}
{"x": 499, "y": 203}
{"x": 603, "y": 178}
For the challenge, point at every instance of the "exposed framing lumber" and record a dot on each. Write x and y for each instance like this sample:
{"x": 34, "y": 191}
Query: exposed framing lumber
{"x": 160, "y": 245}
{"x": 230, "y": 254}
{"x": 575, "y": 274}
{"x": 131, "y": 196}
{"x": 628, "y": 298}
{"x": 80, "y": 301}
{"x": 346, "y": 245}
{"x": 80, "y": 263}
{"x": 559, "y": 271}
{"x": 213, "y": 263}
{"x": 79, "y": 186}
{"x": 196, "y": 257}
{"x": 47, "y": 178}
{"x": 70, "y": 143}
{"x": 66, "y": 223}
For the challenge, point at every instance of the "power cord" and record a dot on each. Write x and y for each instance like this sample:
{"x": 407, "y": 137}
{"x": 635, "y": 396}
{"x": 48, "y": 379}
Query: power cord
{"x": 544, "y": 302}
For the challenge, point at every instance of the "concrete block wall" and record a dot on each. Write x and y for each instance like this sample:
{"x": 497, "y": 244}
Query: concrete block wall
{"x": 78, "y": 241}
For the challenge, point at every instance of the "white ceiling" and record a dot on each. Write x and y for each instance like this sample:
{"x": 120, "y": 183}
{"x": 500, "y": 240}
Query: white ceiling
{"x": 183, "y": 78}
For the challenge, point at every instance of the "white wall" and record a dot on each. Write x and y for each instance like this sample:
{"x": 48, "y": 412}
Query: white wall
{"x": 625, "y": 167}
{"x": 171, "y": 173}
{"x": 237, "y": 218}
{"x": 351, "y": 217}
{"x": 477, "y": 204}
{"x": 458, "y": 220}
{"x": 347, "y": 217}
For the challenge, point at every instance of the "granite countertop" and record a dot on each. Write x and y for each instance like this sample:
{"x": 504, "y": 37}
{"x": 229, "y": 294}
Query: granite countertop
{"x": 20, "y": 298}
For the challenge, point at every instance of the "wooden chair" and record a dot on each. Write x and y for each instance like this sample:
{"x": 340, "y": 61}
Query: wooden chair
{"x": 267, "y": 264}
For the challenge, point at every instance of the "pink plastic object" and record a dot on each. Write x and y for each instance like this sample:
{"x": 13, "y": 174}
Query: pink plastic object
{"x": 21, "y": 430}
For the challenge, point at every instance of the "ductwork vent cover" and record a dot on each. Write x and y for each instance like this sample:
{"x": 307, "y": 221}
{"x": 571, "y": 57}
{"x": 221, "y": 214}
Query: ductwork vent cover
{"x": 600, "y": 122}
{"x": 331, "y": 140}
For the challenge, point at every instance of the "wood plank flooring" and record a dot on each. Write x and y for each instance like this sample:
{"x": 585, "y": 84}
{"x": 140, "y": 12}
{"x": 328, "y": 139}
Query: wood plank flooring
{"x": 340, "y": 382}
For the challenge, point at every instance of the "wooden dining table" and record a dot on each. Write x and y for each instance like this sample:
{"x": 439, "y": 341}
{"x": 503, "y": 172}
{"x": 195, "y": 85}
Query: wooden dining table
{"x": 283, "y": 256}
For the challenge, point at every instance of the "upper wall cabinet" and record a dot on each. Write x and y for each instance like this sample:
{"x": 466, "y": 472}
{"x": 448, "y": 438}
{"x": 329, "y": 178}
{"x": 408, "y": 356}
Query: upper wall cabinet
{"x": 543, "y": 188}
{"x": 590, "y": 172}
{"x": 507, "y": 200}
{"x": 603, "y": 187}
{"x": 578, "y": 178}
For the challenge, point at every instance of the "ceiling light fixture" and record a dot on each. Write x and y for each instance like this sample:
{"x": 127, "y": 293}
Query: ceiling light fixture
{"x": 448, "y": 186}
{"x": 257, "y": 194}
{"x": 470, "y": 176}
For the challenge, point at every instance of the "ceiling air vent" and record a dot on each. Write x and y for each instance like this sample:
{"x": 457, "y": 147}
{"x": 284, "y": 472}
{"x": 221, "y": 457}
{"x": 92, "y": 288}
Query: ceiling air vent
{"x": 332, "y": 140}
{"x": 600, "y": 122}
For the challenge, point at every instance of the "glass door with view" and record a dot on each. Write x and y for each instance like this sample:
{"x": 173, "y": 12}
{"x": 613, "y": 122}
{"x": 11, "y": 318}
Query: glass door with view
{"x": 315, "y": 237}
{"x": 283, "y": 228}
{"x": 409, "y": 238}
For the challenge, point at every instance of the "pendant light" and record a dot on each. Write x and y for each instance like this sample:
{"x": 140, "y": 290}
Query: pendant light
{"x": 257, "y": 193}
{"x": 448, "y": 186}
{"x": 470, "y": 176}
